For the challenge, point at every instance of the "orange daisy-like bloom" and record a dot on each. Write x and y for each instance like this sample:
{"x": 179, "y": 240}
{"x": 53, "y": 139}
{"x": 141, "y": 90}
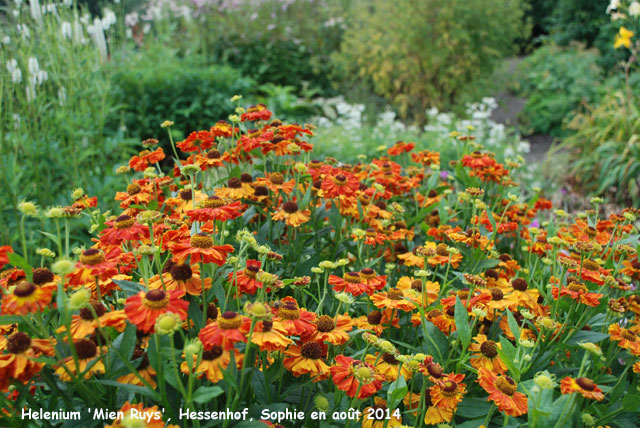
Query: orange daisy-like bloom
{"x": 349, "y": 375}
{"x": 335, "y": 331}
{"x": 375, "y": 321}
{"x": 294, "y": 320}
{"x": 342, "y": 184}
{"x": 502, "y": 391}
{"x": 291, "y": 214}
{"x": 522, "y": 294}
{"x": 432, "y": 289}
{"x": 626, "y": 338}
{"x": 95, "y": 262}
{"x": 86, "y": 323}
{"x": 215, "y": 208}
{"x": 27, "y": 297}
{"x": 201, "y": 249}
{"x": 434, "y": 415}
{"x": 392, "y": 299}
{"x": 145, "y": 158}
{"x": 388, "y": 366}
{"x": 4, "y": 255}
{"x": 226, "y": 331}
{"x": 124, "y": 229}
{"x": 245, "y": 280}
{"x": 139, "y": 192}
{"x": 235, "y": 190}
{"x": 144, "y": 371}
{"x": 212, "y": 364}
{"x": 275, "y": 182}
{"x": 307, "y": 358}
{"x": 87, "y": 352}
{"x": 448, "y": 391}
{"x": 270, "y": 337}
{"x": 197, "y": 141}
{"x": 373, "y": 418}
{"x": 257, "y": 112}
{"x": 351, "y": 282}
{"x": 149, "y": 417}
{"x": 18, "y": 362}
{"x": 144, "y": 308}
{"x": 180, "y": 276}
{"x": 372, "y": 279}
{"x": 585, "y": 386}
{"x": 578, "y": 292}
{"x": 486, "y": 354}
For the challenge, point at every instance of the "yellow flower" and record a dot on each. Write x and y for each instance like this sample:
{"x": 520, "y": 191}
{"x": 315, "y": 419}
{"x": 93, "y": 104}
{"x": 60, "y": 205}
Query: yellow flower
{"x": 623, "y": 38}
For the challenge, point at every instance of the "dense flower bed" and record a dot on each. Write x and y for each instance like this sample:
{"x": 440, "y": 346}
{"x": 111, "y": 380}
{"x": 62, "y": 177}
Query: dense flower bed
{"x": 414, "y": 289}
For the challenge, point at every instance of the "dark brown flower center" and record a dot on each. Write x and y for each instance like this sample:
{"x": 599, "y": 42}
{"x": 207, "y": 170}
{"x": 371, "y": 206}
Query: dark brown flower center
{"x": 261, "y": 191}
{"x": 290, "y": 207}
{"x": 441, "y": 250}
{"x": 434, "y": 370}
{"x": 246, "y": 178}
{"x": 251, "y": 271}
{"x": 449, "y": 388}
{"x": 311, "y": 350}
{"x": 628, "y": 335}
{"x": 340, "y": 179}
{"x": 289, "y": 312}
{"x": 577, "y": 287}
{"x": 24, "y": 289}
{"x": 86, "y": 313}
{"x": 181, "y": 272}
{"x": 267, "y": 326}
{"x": 506, "y": 385}
{"x": 496, "y": 294}
{"x": 325, "y": 324}
{"x": 374, "y": 317}
{"x": 133, "y": 189}
{"x": 234, "y": 183}
{"x": 367, "y": 273}
{"x": 389, "y": 359}
{"x": 212, "y": 311}
{"x": 491, "y": 273}
{"x": 42, "y": 275}
{"x": 86, "y": 349}
{"x": 18, "y": 342}
{"x": 144, "y": 359}
{"x": 156, "y": 299}
{"x": 276, "y": 178}
{"x": 213, "y": 154}
{"x": 395, "y": 294}
{"x": 519, "y": 284}
{"x": 212, "y": 354}
{"x": 489, "y": 349}
{"x": 590, "y": 265}
{"x": 434, "y": 313}
{"x": 586, "y": 384}
{"x": 186, "y": 194}
{"x": 213, "y": 202}
{"x": 416, "y": 285}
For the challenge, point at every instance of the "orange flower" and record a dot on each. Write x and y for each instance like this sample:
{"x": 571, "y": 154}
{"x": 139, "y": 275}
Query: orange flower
{"x": 19, "y": 362}
{"x": 126, "y": 417}
{"x": 197, "y": 142}
{"x": 434, "y": 415}
{"x": 294, "y": 320}
{"x": 144, "y": 371}
{"x": 215, "y": 208}
{"x": 351, "y": 375}
{"x": 270, "y": 337}
{"x": 335, "y": 331}
{"x": 212, "y": 364}
{"x": 432, "y": 289}
{"x": 229, "y": 329}
{"x": 578, "y": 292}
{"x": 486, "y": 354}
{"x": 124, "y": 229}
{"x": 388, "y": 366}
{"x": 245, "y": 280}
{"x": 307, "y": 358}
{"x": 201, "y": 249}
{"x": 626, "y": 338}
{"x": 145, "y": 158}
{"x": 351, "y": 282}
{"x": 290, "y": 214}
{"x": 342, "y": 184}
{"x": 85, "y": 324}
{"x": 25, "y": 298}
{"x": 88, "y": 352}
{"x": 583, "y": 385}
{"x": 257, "y": 112}
{"x": 275, "y": 182}
{"x": 448, "y": 391}
{"x": 380, "y": 416}
{"x": 4, "y": 255}
{"x": 180, "y": 276}
{"x": 392, "y": 299}
{"x": 375, "y": 321}
{"x": 502, "y": 391}
{"x": 144, "y": 308}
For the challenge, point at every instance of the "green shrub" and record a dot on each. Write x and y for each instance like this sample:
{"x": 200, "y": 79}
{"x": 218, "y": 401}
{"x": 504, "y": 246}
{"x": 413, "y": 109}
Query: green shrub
{"x": 432, "y": 52}
{"x": 556, "y": 81}
{"x": 154, "y": 85}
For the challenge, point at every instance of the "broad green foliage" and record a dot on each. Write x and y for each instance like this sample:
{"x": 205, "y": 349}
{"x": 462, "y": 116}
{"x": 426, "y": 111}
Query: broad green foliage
{"x": 432, "y": 51}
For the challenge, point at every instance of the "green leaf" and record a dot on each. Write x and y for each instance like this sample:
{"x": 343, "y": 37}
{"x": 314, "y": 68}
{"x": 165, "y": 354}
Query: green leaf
{"x": 130, "y": 388}
{"x": 513, "y": 325}
{"x": 397, "y": 390}
{"x": 20, "y": 262}
{"x": 587, "y": 336}
{"x": 204, "y": 394}
{"x": 129, "y": 287}
{"x": 462, "y": 324}
{"x": 473, "y": 408}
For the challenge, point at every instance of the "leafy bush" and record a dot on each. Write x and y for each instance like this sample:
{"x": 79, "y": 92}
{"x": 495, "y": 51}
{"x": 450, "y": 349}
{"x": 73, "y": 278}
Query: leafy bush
{"x": 154, "y": 85}
{"x": 432, "y": 51}
{"x": 556, "y": 81}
